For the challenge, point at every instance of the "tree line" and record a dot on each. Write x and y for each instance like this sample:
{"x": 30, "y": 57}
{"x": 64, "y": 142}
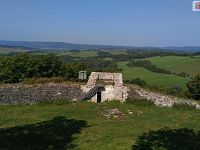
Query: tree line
{"x": 19, "y": 67}
{"x": 148, "y": 65}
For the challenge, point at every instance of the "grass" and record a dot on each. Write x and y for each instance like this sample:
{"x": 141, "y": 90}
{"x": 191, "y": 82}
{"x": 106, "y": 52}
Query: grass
{"x": 117, "y": 52}
{"x": 177, "y": 64}
{"x": 108, "y": 59}
{"x": 151, "y": 78}
{"x": 82, "y": 126}
{"x": 196, "y": 56}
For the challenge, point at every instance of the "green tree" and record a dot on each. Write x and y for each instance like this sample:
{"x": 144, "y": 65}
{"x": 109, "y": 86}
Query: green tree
{"x": 19, "y": 67}
{"x": 194, "y": 87}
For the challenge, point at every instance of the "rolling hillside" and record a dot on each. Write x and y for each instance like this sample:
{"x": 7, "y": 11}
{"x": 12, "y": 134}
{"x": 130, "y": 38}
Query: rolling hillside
{"x": 177, "y": 64}
{"x": 58, "y": 45}
{"x": 68, "y": 46}
{"x": 164, "y": 80}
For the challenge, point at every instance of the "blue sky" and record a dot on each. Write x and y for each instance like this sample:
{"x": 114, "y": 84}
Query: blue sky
{"x": 116, "y": 22}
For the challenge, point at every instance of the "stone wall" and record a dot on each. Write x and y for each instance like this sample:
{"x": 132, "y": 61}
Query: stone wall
{"x": 26, "y": 94}
{"x": 112, "y": 92}
{"x": 116, "y": 77}
{"x": 159, "y": 99}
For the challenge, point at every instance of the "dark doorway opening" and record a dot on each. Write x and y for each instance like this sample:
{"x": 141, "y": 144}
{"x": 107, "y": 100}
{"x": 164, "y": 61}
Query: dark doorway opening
{"x": 98, "y": 97}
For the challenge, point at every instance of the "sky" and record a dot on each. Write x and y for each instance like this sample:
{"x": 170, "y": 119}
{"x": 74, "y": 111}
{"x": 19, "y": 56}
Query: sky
{"x": 113, "y": 22}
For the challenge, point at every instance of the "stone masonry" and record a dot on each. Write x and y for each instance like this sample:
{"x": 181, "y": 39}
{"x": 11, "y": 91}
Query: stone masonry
{"x": 112, "y": 91}
{"x": 28, "y": 94}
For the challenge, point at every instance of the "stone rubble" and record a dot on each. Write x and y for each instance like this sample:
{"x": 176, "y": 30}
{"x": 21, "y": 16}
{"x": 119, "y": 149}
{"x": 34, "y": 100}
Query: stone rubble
{"x": 163, "y": 100}
{"x": 27, "y": 94}
{"x": 115, "y": 113}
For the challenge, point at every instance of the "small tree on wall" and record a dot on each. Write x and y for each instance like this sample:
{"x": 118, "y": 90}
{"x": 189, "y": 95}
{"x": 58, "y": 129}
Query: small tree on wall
{"x": 194, "y": 87}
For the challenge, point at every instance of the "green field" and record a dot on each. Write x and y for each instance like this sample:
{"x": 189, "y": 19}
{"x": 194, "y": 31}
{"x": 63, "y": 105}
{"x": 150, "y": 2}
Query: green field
{"x": 87, "y": 53}
{"x": 79, "y": 54}
{"x": 163, "y": 80}
{"x": 117, "y": 52}
{"x": 177, "y": 64}
{"x": 4, "y": 51}
{"x": 196, "y": 56}
{"x": 83, "y": 126}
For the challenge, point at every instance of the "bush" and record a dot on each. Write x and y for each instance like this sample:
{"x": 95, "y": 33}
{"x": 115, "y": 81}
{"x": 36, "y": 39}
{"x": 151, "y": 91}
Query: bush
{"x": 183, "y": 74}
{"x": 175, "y": 90}
{"x": 137, "y": 81}
{"x": 194, "y": 87}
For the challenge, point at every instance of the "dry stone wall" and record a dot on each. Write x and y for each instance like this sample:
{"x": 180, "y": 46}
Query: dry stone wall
{"x": 159, "y": 99}
{"x": 26, "y": 94}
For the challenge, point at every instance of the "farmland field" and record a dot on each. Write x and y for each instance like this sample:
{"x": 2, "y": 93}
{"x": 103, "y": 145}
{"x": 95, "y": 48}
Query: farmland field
{"x": 117, "y": 52}
{"x": 83, "y": 126}
{"x": 87, "y": 53}
{"x": 11, "y": 50}
{"x": 177, "y": 64}
{"x": 152, "y": 78}
{"x": 79, "y": 54}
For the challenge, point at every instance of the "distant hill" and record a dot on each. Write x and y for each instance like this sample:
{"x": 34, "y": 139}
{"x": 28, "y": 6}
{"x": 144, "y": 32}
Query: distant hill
{"x": 16, "y": 47}
{"x": 184, "y": 48}
{"x": 37, "y": 45}
{"x": 58, "y": 45}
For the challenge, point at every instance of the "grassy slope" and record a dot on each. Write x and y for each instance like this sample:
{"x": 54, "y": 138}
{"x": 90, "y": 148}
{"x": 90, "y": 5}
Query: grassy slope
{"x": 177, "y": 63}
{"x": 152, "y": 78}
{"x": 101, "y": 133}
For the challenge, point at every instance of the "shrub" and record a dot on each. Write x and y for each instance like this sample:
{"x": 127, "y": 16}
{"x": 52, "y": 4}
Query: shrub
{"x": 194, "y": 87}
{"x": 137, "y": 81}
{"x": 183, "y": 74}
{"x": 175, "y": 90}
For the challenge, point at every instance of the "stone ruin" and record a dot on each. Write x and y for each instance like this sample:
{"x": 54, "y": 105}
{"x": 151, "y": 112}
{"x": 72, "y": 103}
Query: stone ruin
{"x": 103, "y": 86}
